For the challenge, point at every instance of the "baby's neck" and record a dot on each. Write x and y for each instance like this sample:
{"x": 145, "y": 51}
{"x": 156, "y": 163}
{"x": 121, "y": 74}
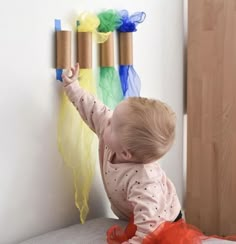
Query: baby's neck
{"x": 116, "y": 160}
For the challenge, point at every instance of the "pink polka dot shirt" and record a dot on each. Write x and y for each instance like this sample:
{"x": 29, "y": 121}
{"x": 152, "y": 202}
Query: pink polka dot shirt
{"x": 140, "y": 189}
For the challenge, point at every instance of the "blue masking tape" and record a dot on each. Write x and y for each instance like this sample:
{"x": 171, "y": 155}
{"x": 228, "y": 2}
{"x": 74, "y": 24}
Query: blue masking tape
{"x": 59, "y": 74}
{"x": 57, "y": 24}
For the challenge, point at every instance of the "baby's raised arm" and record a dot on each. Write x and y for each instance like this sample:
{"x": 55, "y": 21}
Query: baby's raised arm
{"x": 94, "y": 113}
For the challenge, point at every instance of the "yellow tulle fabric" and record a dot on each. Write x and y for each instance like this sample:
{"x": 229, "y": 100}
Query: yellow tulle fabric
{"x": 88, "y": 22}
{"x": 78, "y": 145}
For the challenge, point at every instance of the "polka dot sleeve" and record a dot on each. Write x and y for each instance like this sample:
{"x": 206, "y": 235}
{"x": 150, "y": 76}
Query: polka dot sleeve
{"x": 94, "y": 113}
{"x": 148, "y": 205}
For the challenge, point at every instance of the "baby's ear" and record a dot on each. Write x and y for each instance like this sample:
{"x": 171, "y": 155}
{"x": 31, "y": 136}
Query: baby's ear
{"x": 126, "y": 154}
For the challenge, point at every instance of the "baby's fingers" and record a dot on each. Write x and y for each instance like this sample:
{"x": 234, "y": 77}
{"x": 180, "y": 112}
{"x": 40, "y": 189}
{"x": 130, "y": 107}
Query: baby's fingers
{"x": 66, "y": 79}
{"x": 75, "y": 71}
{"x": 77, "y": 67}
{"x": 70, "y": 75}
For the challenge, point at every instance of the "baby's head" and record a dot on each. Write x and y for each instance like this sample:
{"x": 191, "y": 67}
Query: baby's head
{"x": 141, "y": 129}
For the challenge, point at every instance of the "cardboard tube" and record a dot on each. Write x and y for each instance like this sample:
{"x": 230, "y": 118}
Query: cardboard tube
{"x": 107, "y": 52}
{"x": 63, "y": 49}
{"x": 125, "y": 48}
{"x": 84, "y": 49}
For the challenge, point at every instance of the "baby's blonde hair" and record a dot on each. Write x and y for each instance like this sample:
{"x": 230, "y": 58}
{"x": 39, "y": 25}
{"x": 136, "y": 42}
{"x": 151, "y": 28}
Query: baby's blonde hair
{"x": 148, "y": 131}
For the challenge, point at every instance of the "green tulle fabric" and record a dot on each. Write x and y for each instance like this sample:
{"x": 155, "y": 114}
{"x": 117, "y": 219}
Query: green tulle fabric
{"x": 109, "y": 86}
{"x": 110, "y": 20}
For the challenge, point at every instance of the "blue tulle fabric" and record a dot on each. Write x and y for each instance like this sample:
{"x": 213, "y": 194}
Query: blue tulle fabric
{"x": 129, "y": 23}
{"x": 130, "y": 81}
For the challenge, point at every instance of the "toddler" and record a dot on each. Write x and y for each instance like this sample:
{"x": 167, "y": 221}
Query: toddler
{"x": 131, "y": 140}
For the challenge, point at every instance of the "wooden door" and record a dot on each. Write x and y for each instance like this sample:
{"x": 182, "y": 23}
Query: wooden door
{"x": 211, "y": 110}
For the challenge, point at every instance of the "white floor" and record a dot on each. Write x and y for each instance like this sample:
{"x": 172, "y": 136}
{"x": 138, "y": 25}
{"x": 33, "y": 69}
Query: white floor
{"x": 216, "y": 241}
{"x": 92, "y": 232}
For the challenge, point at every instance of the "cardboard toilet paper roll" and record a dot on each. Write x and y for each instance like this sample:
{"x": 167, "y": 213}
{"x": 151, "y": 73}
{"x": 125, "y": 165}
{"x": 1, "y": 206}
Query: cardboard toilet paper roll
{"x": 63, "y": 49}
{"x": 107, "y": 52}
{"x": 84, "y": 49}
{"x": 125, "y": 48}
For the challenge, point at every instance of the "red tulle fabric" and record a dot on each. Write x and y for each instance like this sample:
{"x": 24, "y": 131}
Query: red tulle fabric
{"x": 116, "y": 234}
{"x": 167, "y": 233}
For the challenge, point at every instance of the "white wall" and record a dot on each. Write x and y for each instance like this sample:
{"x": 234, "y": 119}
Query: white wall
{"x": 36, "y": 191}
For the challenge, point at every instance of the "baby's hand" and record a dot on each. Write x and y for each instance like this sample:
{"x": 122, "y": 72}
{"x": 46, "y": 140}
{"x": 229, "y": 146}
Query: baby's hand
{"x": 69, "y": 79}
